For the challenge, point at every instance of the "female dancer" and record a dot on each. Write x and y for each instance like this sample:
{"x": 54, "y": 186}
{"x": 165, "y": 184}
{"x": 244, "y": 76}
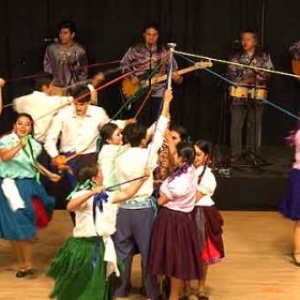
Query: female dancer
{"x": 290, "y": 205}
{"x": 18, "y": 153}
{"x": 174, "y": 250}
{"x": 208, "y": 220}
{"x": 84, "y": 263}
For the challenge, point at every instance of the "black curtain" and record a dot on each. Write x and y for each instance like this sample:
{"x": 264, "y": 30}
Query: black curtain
{"x": 206, "y": 27}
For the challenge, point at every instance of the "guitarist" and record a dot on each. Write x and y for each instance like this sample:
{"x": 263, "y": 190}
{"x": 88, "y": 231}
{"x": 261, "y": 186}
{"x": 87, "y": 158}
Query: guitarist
{"x": 137, "y": 58}
{"x": 251, "y": 82}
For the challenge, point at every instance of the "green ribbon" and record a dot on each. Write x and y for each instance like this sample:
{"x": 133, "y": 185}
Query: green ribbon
{"x": 30, "y": 155}
{"x": 87, "y": 185}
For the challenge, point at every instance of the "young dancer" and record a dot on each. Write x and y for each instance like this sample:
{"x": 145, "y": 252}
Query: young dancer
{"x": 82, "y": 267}
{"x": 208, "y": 220}
{"x": 174, "y": 250}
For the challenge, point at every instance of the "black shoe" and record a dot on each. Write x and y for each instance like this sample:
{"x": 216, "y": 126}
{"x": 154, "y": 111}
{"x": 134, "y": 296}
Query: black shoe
{"x": 24, "y": 273}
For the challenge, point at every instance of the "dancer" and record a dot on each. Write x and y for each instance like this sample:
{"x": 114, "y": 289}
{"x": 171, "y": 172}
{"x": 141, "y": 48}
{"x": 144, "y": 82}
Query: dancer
{"x": 174, "y": 250}
{"x": 136, "y": 216}
{"x": 83, "y": 265}
{"x": 18, "y": 153}
{"x": 208, "y": 220}
{"x": 290, "y": 205}
{"x": 112, "y": 145}
{"x": 77, "y": 126}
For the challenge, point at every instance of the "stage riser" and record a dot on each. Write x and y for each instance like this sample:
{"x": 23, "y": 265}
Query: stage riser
{"x": 238, "y": 193}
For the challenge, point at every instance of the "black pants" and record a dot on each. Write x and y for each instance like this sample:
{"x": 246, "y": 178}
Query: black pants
{"x": 250, "y": 111}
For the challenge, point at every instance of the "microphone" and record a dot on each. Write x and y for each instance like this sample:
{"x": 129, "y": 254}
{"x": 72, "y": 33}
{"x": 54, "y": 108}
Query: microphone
{"x": 51, "y": 40}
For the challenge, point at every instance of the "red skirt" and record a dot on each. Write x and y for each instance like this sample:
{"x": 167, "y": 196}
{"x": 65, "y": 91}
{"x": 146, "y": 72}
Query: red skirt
{"x": 41, "y": 217}
{"x": 209, "y": 223}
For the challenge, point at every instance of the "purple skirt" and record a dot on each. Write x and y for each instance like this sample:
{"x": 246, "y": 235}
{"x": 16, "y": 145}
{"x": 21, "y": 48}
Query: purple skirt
{"x": 290, "y": 204}
{"x": 174, "y": 249}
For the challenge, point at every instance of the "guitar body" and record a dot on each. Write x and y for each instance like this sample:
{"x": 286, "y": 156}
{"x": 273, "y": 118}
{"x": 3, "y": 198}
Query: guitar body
{"x": 129, "y": 88}
{"x": 296, "y": 67}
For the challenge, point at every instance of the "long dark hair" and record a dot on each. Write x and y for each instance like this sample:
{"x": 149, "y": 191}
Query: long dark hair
{"x": 107, "y": 131}
{"x": 187, "y": 151}
{"x": 206, "y": 148}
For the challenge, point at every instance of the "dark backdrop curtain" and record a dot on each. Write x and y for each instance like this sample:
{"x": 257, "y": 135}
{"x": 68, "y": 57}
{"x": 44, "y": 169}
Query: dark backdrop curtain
{"x": 206, "y": 27}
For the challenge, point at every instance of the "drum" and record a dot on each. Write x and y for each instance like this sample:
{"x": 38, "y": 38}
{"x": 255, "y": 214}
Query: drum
{"x": 244, "y": 92}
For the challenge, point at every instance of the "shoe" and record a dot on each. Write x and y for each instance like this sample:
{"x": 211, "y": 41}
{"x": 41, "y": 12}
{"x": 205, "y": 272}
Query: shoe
{"x": 24, "y": 273}
{"x": 295, "y": 261}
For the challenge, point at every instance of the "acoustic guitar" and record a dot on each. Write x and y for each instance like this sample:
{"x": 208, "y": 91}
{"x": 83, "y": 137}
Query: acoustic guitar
{"x": 130, "y": 89}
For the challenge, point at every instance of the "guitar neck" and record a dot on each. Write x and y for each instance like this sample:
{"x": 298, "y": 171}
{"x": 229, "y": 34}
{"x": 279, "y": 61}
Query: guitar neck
{"x": 161, "y": 78}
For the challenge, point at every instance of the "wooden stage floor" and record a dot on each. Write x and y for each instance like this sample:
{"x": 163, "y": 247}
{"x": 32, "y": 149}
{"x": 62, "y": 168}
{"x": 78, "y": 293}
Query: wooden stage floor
{"x": 257, "y": 263}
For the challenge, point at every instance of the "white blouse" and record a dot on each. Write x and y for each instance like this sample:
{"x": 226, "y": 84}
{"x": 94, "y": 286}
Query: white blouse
{"x": 105, "y": 221}
{"x": 107, "y": 162}
{"x": 206, "y": 186}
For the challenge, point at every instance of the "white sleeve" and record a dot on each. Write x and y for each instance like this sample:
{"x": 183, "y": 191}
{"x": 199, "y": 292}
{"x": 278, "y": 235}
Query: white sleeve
{"x": 158, "y": 140}
{"x": 18, "y": 105}
{"x": 53, "y": 134}
{"x": 207, "y": 184}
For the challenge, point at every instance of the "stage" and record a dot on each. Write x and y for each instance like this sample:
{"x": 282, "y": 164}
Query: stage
{"x": 257, "y": 263}
{"x": 254, "y": 187}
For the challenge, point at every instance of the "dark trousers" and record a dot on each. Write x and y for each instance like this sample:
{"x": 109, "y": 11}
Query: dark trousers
{"x": 251, "y": 112}
{"x": 134, "y": 229}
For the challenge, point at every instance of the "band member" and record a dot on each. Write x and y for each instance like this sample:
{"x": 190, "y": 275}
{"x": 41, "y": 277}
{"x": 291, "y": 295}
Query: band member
{"x": 66, "y": 60}
{"x": 137, "y": 58}
{"x": 248, "y": 94}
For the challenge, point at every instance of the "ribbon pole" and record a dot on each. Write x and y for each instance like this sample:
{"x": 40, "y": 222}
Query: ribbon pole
{"x": 172, "y": 49}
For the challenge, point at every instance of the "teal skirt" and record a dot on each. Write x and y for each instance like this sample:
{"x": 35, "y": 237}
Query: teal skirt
{"x": 75, "y": 276}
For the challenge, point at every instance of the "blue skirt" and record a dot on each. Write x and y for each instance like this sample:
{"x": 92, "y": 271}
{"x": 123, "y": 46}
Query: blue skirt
{"x": 20, "y": 225}
{"x": 290, "y": 205}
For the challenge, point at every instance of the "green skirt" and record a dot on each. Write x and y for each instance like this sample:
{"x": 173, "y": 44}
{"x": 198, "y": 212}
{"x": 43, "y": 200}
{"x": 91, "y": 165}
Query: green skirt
{"x": 75, "y": 277}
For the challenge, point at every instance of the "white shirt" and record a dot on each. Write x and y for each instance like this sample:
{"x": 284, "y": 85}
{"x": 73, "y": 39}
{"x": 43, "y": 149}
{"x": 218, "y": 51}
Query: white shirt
{"x": 131, "y": 164}
{"x": 42, "y": 109}
{"x": 78, "y": 133}
{"x": 107, "y": 162}
{"x": 206, "y": 186}
{"x": 105, "y": 221}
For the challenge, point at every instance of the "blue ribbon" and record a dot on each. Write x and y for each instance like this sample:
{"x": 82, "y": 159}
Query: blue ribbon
{"x": 99, "y": 199}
